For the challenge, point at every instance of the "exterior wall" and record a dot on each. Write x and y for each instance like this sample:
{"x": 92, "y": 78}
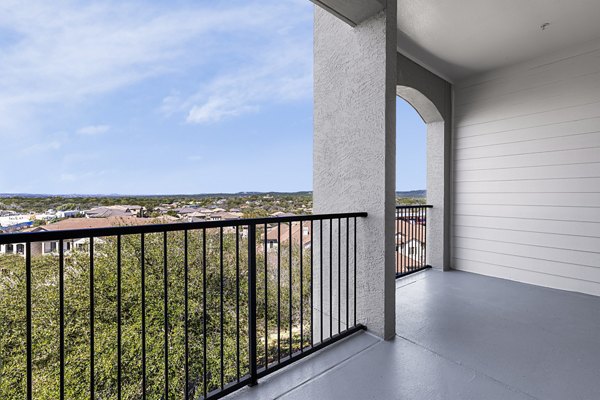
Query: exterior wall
{"x": 431, "y": 96}
{"x": 354, "y": 148}
{"x": 527, "y": 172}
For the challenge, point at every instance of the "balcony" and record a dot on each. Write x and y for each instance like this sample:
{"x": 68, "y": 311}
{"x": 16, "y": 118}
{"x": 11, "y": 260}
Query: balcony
{"x": 216, "y": 309}
{"x": 459, "y": 336}
{"x": 202, "y": 310}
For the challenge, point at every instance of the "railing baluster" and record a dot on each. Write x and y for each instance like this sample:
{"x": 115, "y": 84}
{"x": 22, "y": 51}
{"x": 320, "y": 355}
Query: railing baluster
{"x": 321, "y": 278}
{"x": 312, "y": 321}
{"x": 413, "y": 227}
{"x": 143, "y": 284}
{"x": 204, "y": 317}
{"x": 279, "y": 292}
{"x": 266, "y": 303}
{"x": 221, "y": 316}
{"x": 28, "y": 316}
{"x": 339, "y": 276}
{"x": 92, "y": 392}
{"x": 165, "y": 313}
{"x": 330, "y": 277}
{"x": 186, "y": 313}
{"x": 290, "y": 290}
{"x": 347, "y": 273}
{"x": 237, "y": 301}
{"x": 61, "y": 300}
{"x": 119, "y": 320}
{"x": 396, "y": 236}
{"x": 403, "y": 235}
{"x": 424, "y": 236}
{"x": 355, "y": 277}
{"x": 301, "y": 288}
{"x": 252, "y": 304}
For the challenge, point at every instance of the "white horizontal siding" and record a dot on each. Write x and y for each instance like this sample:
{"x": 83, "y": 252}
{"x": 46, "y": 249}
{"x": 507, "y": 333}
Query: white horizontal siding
{"x": 526, "y": 186}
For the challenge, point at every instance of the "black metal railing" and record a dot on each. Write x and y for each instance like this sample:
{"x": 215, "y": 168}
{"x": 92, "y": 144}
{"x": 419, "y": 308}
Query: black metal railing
{"x": 189, "y": 310}
{"x": 411, "y": 239}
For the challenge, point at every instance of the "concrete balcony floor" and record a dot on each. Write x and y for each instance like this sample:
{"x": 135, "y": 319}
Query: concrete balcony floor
{"x": 459, "y": 336}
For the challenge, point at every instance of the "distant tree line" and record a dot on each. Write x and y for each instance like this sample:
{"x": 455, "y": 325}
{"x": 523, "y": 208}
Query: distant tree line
{"x": 268, "y": 202}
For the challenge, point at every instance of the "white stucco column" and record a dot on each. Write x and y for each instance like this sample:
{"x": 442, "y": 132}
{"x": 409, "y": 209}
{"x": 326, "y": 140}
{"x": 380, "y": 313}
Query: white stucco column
{"x": 354, "y": 147}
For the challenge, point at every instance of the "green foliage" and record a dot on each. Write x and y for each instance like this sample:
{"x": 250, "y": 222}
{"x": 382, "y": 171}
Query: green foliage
{"x": 410, "y": 201}
{"x": 77, "y": 272}
{"x": 269, "y": 203}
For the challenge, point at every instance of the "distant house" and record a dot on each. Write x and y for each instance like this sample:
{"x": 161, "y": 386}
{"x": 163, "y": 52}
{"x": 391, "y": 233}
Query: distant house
{"x": 14, "y": 219}
{"x": 162, "y": 210}
{"x": 221, "y": 215}
{"x": 283, "y": 214}
{"x": 52, "y": 247}
{"x": 17, "y": 248}
{"x": 410, "y": 239}
{"x": 280, "y": 235}
{"x": 185, "y": 211}
{"x": 196, "y": 216}
{"x": 68, "y": 214}
{"x": 115, "y": 211}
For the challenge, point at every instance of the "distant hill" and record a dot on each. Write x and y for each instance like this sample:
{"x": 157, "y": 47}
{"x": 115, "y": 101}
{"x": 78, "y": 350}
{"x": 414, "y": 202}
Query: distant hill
{"x": 408, "y": 194}
{"x": 199, "y": 195}
{"x": 412, "y": 194}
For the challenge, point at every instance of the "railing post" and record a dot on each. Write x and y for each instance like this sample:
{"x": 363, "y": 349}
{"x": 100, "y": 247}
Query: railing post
{"x": 252, "y": 303}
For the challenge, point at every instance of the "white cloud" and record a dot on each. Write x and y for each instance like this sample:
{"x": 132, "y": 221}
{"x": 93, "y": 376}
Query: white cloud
{"x": 281, "y": 76}
{"x": 41, "y": 147}
{"x": 218, "y": 108}
{"x": 66, "y": 52}
{"x": 275, "y": 68}
{"x": 82, "y": 176}
{"x": 283, "y": 73}
{"x": 93, "y": 130}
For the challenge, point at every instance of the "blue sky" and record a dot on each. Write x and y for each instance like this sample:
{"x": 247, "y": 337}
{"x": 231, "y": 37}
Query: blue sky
{"x": 139, "y": 97}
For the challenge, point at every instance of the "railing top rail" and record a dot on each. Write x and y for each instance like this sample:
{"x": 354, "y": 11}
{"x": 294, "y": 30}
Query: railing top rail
{"x": 398, "y": 207}
{"x": 25, "y": 237}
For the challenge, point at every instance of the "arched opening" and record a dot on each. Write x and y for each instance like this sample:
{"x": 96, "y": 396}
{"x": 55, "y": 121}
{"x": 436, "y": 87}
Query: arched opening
{"x": 420, "y": 177}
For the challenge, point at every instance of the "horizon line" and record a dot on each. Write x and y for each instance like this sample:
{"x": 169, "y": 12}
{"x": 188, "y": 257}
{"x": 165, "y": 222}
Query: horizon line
{"x": 7, "y": 194}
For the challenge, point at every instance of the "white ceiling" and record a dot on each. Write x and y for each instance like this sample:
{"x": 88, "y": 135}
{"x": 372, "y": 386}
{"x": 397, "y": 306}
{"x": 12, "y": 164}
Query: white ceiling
{"x": 460, "y": 38}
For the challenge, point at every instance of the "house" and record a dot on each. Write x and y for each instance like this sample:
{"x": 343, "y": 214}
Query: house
{"x": 280, "y": 235}
{"x": 183, "y": 211}
{"x": 162, "y": 209}
{"x": 410, "y": 239}
{"x": 195, "y": 216}
{"x": 68, "y": 213}
{"x": 11, "y": 219}
{"x": 282, "y": 214}
{"x": 52, "y": 247}
{"x": 221, "y": 215}
{"x": 114, "y": 211}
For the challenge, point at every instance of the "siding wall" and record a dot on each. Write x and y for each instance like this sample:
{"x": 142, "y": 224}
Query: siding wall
{"x": 526, "y": 175}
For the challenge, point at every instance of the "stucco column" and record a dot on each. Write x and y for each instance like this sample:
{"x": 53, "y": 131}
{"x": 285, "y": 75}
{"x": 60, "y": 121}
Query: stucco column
{"x": 431, "y": 96}
{"x": 355, "y": 145}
